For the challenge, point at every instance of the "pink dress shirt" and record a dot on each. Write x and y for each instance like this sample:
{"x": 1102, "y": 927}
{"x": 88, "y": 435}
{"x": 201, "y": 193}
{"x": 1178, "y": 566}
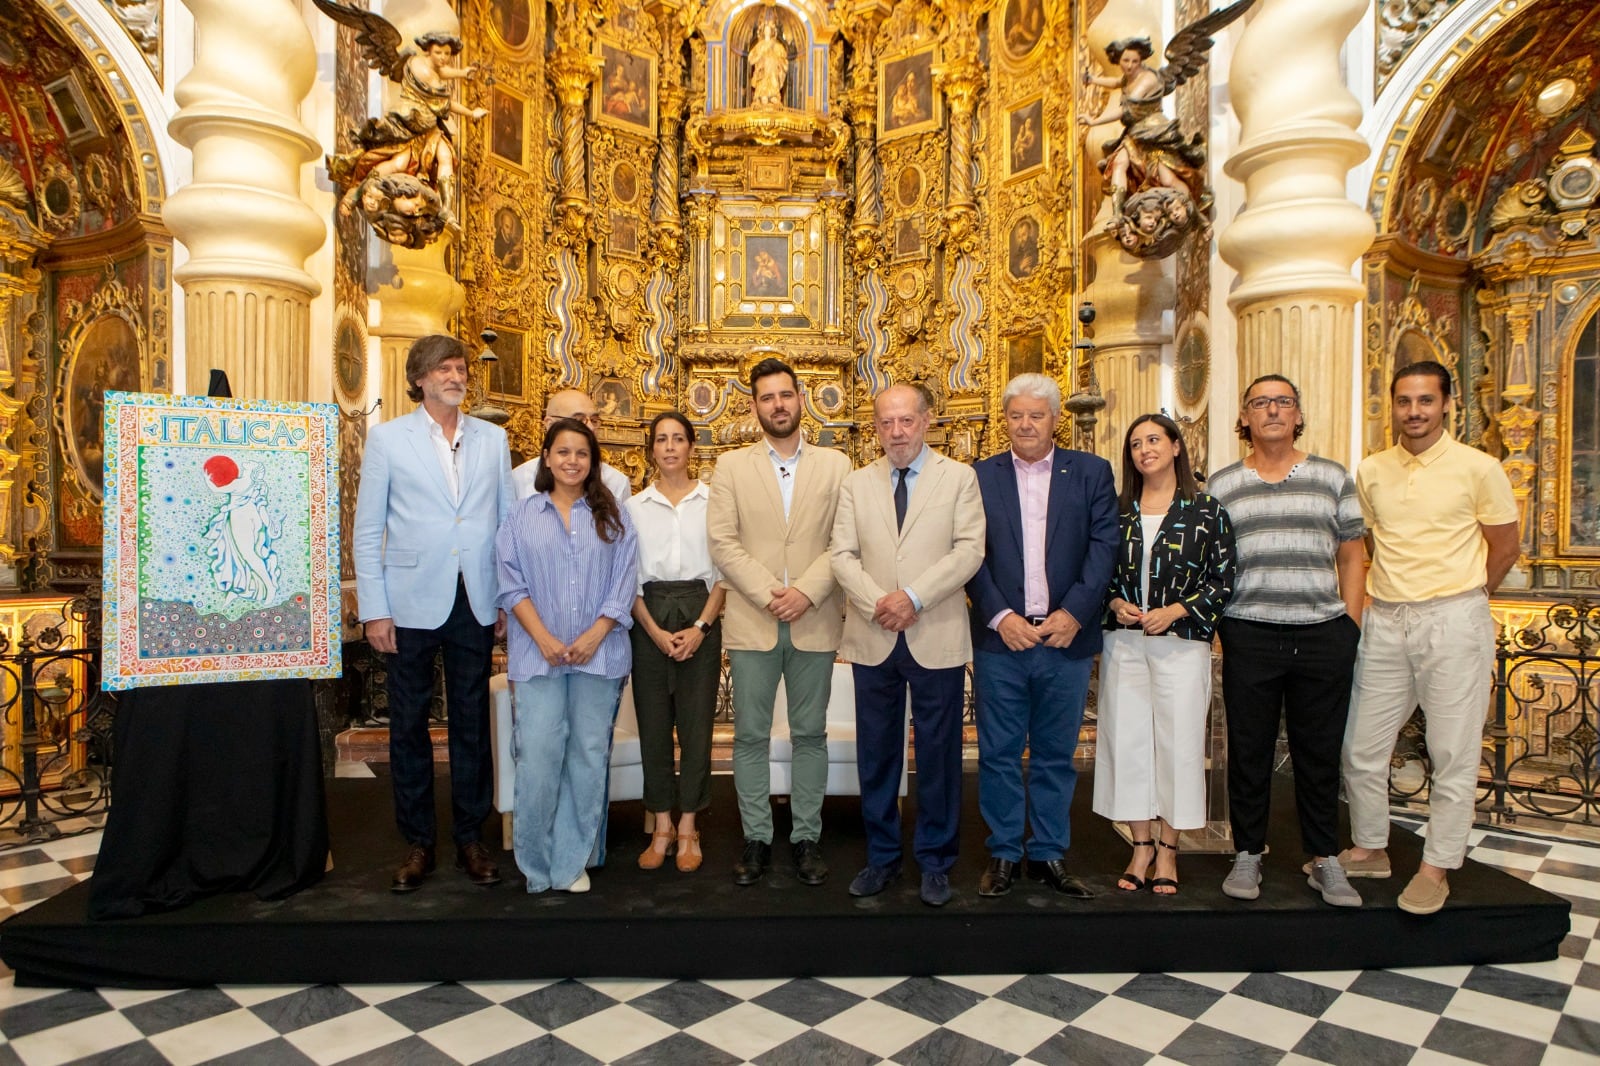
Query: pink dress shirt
{"x": 1033, "y": 493}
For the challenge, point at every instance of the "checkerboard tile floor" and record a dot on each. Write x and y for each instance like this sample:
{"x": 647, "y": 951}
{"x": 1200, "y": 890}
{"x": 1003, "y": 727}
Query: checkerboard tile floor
{"x": 1499, "y": 1015}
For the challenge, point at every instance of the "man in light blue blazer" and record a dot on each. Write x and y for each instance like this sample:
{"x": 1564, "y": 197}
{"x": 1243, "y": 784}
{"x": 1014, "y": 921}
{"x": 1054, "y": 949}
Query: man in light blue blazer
{"x": 435, "y": 485}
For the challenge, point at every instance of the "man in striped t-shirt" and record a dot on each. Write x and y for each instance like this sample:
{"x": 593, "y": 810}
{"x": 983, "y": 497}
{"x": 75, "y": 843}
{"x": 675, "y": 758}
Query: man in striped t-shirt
{"x": 1289, "y": 634}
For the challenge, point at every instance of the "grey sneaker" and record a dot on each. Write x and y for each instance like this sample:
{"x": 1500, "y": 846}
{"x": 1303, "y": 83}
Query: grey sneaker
{"x": 1328, "y": 877}
{"x": 1244, "y": 880}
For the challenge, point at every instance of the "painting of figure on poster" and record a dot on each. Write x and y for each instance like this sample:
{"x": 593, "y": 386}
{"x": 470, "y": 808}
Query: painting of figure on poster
{"x": 222, "y": 540}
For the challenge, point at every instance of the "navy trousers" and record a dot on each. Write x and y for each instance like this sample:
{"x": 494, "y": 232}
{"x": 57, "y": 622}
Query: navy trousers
{"x": 881, "y": 753}
{"x": 467, "y": 645}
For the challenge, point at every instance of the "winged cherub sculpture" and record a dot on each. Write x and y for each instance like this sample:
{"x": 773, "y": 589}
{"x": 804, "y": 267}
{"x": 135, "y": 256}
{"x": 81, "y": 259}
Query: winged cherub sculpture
{"x": 1151, "y": 153}
{"x": 416, "y": 138}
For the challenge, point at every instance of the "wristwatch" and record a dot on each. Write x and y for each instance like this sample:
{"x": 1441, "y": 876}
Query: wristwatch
{"x": 702, "y": 625}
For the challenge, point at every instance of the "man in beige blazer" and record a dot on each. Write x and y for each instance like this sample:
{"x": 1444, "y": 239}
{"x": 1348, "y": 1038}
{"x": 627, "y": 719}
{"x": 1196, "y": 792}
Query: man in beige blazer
{"x": 768, "y": 522}
{"x": 908, "y": 535}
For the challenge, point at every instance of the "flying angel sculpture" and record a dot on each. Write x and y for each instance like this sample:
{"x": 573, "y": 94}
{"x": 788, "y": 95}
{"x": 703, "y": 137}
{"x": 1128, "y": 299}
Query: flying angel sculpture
{"x": 401, "y": 175}
{"x": 1150, "y": 161}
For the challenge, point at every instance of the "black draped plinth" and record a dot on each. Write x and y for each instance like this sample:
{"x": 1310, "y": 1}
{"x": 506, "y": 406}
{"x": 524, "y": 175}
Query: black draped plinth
{"x": 218, "y": 788}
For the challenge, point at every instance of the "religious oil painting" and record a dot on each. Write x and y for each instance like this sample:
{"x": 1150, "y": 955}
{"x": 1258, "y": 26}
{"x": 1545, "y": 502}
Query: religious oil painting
{"x": 508, "y": 127}
{"x": 1025, "y": 138}
{"x": 766, "y": 269}
{"x": 221, "y": 555}
{"x": 506, "y": 376}
{"x": 626, "y": 95}
{"x": 1022, "y": 250}
{"x": 1025, "y": 354}
{"x": 624, "y": 234}
{"x": 1023, "y": 26}
{"x": 906, "y": 100}
{"x": 107, "y": 359}
{"x": 511, "y": 20}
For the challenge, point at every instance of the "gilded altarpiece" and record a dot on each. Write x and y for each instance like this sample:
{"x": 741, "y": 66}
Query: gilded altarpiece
{"x": 876, "y": 192}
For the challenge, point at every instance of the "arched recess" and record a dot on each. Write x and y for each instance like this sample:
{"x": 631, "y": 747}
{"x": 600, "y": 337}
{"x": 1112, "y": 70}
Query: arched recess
{"x": 1484, "y": 187}
{"x": 85, "y": 288}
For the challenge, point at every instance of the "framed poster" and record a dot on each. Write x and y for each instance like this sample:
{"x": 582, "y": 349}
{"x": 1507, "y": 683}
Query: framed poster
{"x": 221, "y": 552}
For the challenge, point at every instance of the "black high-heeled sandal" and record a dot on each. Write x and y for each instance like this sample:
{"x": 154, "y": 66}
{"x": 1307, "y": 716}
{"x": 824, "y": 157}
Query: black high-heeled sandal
{"x": 1137, "y": 882}
{"x": 1165, "y": 882}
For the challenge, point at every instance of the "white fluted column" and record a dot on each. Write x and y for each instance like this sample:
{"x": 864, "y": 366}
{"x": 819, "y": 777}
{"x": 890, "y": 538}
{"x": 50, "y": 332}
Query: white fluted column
{"x": 248, "y": 233}
{"x": 1299, "y": 235}
{"x": 1133, "y": 301}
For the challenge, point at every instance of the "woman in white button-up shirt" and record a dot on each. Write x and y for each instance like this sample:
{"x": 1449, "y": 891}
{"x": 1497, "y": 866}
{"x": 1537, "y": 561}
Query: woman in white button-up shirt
{"x": 677, "y": 643}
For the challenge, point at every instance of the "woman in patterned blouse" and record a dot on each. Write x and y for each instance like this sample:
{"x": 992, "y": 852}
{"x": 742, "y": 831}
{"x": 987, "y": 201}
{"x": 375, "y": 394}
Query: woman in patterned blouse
{"x": 567, "y": 558}
{"x": 1174, "y": 576}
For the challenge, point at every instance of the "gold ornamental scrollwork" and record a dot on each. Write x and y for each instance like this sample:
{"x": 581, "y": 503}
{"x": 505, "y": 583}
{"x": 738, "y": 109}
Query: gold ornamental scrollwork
{"x": 103, "y": 346}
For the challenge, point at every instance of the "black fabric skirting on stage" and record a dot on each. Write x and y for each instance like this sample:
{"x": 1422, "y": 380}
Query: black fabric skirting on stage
{"x": 218, "y": 788}
{"x": 663, "y": 924}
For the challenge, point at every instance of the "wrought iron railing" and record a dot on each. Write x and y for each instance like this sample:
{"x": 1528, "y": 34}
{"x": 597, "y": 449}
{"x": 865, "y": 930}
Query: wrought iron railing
{"x": 1543, "y": 728}
{"x": 53, "y": 705}
{"x": 1540, "y": 739}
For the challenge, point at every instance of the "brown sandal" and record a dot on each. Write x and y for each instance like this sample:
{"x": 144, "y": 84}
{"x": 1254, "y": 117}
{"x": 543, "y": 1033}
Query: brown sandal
{"x": 650, "y": 858}
{"x": 689, "y": 857}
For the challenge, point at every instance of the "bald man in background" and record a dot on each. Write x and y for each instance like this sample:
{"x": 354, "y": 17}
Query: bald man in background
{"x": 570, "y": 403}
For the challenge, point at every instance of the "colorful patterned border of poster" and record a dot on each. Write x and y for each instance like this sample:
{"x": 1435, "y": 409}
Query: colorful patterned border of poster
{"x": 221, "y": 540}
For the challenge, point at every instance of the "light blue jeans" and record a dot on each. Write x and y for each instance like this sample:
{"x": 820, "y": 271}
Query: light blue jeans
{"x": 563, "y": 741}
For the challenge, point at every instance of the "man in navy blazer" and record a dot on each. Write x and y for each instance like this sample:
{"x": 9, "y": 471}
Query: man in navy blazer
{"x": 1036, "y": 602}
{"x": 435, "y": 485}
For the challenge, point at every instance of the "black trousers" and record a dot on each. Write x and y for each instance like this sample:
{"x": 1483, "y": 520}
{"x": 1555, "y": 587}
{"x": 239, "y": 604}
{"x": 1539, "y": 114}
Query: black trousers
{"x": 468, "y": 645}
{"x": 1299, "y": 675}
{"x": 669, "y": 694}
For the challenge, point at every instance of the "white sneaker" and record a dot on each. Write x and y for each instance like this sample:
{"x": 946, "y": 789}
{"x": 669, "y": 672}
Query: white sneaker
{"x": 580, "y": 885}
{"x": 1244, "y": 880}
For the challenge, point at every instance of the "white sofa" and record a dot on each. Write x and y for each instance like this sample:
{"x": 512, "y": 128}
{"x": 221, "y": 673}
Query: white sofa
{"x": 843, "y": 777}
{"x": 627, "y": 769}
{"x": 627, "y": 766}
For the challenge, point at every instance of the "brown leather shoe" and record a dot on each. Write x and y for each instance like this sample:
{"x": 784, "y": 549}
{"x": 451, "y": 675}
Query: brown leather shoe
{"x": 474, "y": 859}
{"x": 412, "y": 872}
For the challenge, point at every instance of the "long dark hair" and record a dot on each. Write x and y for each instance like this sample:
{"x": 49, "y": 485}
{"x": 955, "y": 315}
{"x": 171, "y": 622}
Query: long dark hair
{"x": 607, "y": 515}
{"x": 1133, "y": 481}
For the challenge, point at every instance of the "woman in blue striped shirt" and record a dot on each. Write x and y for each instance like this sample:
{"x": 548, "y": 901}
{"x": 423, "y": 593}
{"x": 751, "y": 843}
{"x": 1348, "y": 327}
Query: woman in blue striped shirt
{"x": 567, "y": 561}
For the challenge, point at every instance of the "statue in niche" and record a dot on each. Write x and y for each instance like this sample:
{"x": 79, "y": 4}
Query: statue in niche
{"x": 1151, "y": 154}
{"x": 417, "y": 138}
{"x": 769, "y": 67}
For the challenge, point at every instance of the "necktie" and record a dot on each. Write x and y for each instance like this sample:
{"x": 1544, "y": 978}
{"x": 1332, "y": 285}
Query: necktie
{"x": 900, "y": 497}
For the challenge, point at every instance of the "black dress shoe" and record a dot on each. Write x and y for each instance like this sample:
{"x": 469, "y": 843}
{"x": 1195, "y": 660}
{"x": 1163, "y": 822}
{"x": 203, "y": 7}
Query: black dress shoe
{"x": 996, "y": 880}
{"x": 808, "y": 864}
{"x": 412, "y": 872}
{"x": 474, "y": 859}
{"x": 1053, "y": 872}
{"x": 753, "y": 863}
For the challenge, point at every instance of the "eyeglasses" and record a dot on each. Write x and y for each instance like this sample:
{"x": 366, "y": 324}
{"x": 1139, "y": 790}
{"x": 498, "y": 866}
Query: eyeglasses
{"x": 1261, "y": 403}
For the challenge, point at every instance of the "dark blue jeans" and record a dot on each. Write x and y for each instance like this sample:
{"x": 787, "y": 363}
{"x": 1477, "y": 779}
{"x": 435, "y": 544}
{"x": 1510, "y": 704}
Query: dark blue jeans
{"x": 467, "y": 646}
{"x": 1031, "y": 699}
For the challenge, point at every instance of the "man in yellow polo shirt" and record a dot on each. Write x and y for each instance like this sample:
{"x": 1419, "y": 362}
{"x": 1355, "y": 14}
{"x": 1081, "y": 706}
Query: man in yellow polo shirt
{"x": 1443, "y": 527}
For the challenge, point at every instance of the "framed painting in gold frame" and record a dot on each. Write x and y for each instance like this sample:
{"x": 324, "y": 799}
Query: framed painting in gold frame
{"x": 1025, "y": 139}
{"x": 625, "y": 95}
{"x": 908, "y": 103}
{"x": 508, "y": 127}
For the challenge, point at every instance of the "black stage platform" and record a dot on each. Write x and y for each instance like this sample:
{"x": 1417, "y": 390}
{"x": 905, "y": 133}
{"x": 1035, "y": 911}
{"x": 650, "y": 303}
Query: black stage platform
{"x": 351, "y": 929}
